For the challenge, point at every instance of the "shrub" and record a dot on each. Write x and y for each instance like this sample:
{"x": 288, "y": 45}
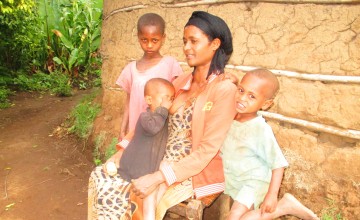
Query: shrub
{"x": 60, "y": 84}
{"x": 4, "y": 94}
{"x": 55, "y": 82}
{"x": 22, "y": 41}
{"x": 37, "y": 82}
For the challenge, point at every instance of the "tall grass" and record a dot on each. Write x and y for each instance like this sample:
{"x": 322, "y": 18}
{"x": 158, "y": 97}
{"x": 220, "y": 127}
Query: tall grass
{"x": 99, "y": 141}
{"x": 83, "y": 116}
{"x": 110, "y": 150}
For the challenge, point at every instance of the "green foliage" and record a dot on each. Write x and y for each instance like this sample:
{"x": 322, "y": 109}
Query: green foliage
{"x": 51, "y": 35}
{"x": 4, "y": 94}
{"x": 75, "y": 42}
{"x": 11, "y": 6}
{"x": 97, "y": 80}
{"x": 6, "y": 77}
{"x": 111, "y": 149}
{"x": 331, "y": 212}
{"x": 38, "y": 82}
{"x": 55, "y": 82}
{"x": 22, "y": 41}
{"x": 99, "y": 140}
{"x": 83, "y": 116}
{"x": 60, "y": 85}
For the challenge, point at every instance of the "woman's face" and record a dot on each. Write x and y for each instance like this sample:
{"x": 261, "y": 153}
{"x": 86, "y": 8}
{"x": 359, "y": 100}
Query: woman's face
{"x": 198, "y": 50}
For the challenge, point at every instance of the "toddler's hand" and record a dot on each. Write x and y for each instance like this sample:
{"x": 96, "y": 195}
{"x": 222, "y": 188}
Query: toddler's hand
{"x": 113, "y": 159}
{"x": 111, "y": 168}
{"x": 269, "y": 204}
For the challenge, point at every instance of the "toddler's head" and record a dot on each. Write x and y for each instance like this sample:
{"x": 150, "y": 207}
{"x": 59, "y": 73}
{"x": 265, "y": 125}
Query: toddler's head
{"x": 159, "y": 92}
{"x": 256, "y": 90}
{"x": 151, "y": 32}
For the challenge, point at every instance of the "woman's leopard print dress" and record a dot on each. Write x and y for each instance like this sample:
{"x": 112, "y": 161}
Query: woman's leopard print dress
{"x": 178, "y": 146}
{"x": 179, "y": 141}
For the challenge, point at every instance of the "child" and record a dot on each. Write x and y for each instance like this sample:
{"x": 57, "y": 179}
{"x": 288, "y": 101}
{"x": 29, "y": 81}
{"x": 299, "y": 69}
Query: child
{"x": 151, "y": 36}
{"x": 146, "y": 149}
{"x": 252, "y": 159}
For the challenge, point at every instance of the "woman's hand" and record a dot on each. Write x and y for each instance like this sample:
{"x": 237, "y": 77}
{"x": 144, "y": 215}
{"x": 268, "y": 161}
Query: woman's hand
{"x": 144, "y": 185}
{"x": 114, "y": 158}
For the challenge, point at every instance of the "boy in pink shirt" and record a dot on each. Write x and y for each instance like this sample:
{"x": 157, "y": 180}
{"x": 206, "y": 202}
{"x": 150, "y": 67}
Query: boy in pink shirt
{"x": 151, "y": 36}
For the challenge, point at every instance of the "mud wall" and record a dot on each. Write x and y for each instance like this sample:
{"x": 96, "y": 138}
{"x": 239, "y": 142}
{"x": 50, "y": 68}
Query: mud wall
{"x": 316, "y": 40}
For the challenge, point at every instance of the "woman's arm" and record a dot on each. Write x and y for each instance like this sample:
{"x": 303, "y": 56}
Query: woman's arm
{"x": 144, "y": 185}
{"x": 217, "y": 124}
{"x": 216, "y": 127}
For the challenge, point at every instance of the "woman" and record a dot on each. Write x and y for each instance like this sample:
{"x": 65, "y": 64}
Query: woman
{"x": 201, "y": 115}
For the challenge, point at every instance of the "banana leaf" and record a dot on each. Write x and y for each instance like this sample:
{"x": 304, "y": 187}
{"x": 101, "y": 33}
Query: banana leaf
{"x": 67, "y": 43}
{"x": 73, "y": 58}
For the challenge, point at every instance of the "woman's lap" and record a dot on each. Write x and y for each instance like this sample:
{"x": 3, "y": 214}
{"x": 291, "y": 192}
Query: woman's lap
{"x": 108, "y": 197}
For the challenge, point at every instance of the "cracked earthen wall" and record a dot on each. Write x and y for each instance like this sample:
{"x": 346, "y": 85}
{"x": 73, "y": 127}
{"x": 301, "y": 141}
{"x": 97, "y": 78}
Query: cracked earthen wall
{"x": 304, "y": 38}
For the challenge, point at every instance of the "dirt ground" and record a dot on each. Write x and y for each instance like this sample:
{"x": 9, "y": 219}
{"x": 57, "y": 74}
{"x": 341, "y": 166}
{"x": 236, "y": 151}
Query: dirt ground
{"x": 42, "y": 175}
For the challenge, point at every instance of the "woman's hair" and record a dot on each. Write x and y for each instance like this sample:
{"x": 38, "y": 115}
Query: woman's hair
{"x": 214, "y": 27}
{"x": 151, "y": 19}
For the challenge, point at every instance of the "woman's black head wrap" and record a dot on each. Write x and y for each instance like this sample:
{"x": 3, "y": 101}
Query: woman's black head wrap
{"x": 214, "y": 27}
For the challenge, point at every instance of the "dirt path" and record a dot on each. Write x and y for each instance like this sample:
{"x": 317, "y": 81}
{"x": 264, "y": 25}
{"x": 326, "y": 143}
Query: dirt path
{"x": 42, "y": 176}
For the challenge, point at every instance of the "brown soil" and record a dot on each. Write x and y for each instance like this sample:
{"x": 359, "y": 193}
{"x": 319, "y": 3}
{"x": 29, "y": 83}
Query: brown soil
{"x": 43, "y": 175}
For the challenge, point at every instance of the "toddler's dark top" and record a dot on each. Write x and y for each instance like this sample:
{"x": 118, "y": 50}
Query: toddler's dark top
{"x": 147, "y": 147}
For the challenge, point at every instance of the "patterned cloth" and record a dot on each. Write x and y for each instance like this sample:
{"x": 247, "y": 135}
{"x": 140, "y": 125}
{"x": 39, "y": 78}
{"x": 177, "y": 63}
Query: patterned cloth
{"x": 109, "y": 197}
{"x": 178, "y": 146}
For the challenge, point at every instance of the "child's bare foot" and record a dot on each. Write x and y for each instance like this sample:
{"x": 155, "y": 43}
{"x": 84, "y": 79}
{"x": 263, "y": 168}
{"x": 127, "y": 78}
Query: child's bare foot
{"x": 293, "y": 207}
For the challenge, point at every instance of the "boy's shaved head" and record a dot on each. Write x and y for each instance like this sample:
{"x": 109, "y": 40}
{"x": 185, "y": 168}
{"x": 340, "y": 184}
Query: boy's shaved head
{"x": 151, "y": 19}
{"x": 271, "y": 79}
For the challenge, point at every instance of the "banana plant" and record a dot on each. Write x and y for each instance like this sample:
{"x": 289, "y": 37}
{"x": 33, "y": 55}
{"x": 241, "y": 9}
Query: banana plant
{"x": 77, "y": 38}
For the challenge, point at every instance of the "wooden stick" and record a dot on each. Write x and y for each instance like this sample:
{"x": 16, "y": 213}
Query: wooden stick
{"x": 210, "y": 2}
{"x": 126, "y": 9}
{"x": 115, "y": 89}
{"x": 305, "y": 76}
{"x": 313, "y": 125}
